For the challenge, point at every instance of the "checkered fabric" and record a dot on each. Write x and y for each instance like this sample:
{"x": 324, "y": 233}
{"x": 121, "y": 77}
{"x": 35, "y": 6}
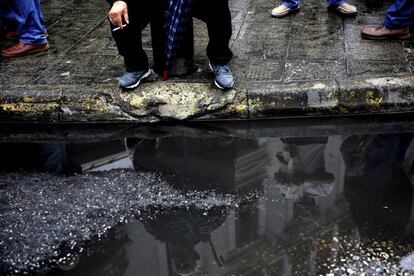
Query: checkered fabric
{"x": 178, "y": 20}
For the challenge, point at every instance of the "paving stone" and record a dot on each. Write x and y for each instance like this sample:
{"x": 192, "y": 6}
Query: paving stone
{"x": 318, "y": 49}
{"x": 365, "y": 68}
{"x": 376, "y": 50}
{"x": 311, "y": 70}
{"x": 266, "y": 70}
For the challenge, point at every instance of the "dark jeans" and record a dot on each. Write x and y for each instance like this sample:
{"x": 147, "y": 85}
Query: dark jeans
{"x": 216, "y": 14}
{"x": 129, "y": 39}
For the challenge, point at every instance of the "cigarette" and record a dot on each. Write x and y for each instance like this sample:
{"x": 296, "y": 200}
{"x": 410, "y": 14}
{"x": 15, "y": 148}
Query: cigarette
{"x": 118, "y": 28}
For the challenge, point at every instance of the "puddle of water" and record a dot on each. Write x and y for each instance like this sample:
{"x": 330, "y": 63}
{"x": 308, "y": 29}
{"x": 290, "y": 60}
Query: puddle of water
{"x": 323, "y": 205}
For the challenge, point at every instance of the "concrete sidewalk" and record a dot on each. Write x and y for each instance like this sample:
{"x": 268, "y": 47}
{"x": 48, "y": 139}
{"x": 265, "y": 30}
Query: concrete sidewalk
{"x": 312, "y": 63}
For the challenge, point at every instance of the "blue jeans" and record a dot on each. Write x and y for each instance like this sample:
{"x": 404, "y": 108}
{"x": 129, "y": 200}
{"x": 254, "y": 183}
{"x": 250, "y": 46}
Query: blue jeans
{"x": 399, "y": 14}
{"x": 293, "y": 4}
{"x": 28, "y": 18}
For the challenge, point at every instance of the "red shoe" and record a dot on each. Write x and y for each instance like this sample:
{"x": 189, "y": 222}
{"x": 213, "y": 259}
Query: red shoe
{"x": 22, "y": 49}
{"x": 382, "y": 33}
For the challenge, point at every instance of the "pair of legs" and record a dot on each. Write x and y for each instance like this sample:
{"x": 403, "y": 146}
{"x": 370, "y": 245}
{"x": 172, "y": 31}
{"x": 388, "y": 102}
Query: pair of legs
{"x": 396, "y": 23}
{"x": 215, "y": 13}
{"x": 26, "y": 19}
{"x": 290, "y": 6}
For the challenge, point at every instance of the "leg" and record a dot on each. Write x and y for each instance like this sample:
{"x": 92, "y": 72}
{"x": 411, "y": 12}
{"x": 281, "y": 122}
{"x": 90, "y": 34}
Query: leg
{"x": 399, "y": 14}
{"x": 30, "y": 25}
{"x": 40, "y": 14}
{"x": 216, "y": 14}
{"x": 158, "y": 35}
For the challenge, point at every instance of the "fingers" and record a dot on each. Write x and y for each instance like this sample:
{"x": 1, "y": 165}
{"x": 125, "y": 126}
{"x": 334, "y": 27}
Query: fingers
{"x": 116, "y": 19}
{"x": 126, "y": 16}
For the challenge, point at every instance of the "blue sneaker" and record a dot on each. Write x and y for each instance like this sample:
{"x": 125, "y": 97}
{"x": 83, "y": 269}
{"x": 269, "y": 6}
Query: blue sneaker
{"x": 223, "y": 76}
{"x": 130, "y": 80}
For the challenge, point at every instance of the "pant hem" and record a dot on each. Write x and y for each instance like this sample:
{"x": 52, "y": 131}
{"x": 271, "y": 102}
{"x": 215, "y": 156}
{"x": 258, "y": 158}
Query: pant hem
{"x": 290, "y": 6}
{"x": 31, "y": 42}
{"x": 337, "y": 4}
{"x": 390, "y": 26}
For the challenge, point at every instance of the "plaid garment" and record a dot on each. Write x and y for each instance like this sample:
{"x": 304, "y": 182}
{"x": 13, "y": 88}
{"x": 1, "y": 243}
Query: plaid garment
{"x": 178, "y": 20}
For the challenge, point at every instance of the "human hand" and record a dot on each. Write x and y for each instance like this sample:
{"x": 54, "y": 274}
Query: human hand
{"x": 118, "y": 12}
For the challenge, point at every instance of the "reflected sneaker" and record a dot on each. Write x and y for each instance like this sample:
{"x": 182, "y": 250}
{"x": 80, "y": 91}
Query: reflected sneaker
{"x": 282, "y": 11}
{"x": 223, "y": 76}
{"x": 344, "y": 9}
{"x": 130, "y": 80}
{"x": 382, "y": 33}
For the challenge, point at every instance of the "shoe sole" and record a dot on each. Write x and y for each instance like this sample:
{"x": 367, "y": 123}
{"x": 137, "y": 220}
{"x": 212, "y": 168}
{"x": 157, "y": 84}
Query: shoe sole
{"x": 146, "y": 75}
{"x": 387, "y": 37}
{"x": 291, "y": 12}
{"x": 26, "y": 53}
{"x": 223, "y": 88}
{"x": 216, "y": 83}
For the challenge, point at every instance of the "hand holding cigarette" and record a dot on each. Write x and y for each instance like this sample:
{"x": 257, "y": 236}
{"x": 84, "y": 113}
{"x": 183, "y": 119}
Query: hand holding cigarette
{"x": 119, "y": 14}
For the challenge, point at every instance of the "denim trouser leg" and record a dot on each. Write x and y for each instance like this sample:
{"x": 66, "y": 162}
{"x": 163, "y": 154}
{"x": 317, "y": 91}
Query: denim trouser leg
{"x": 335, "y": 3}
{"x": 291, "y": 4}
{"x": 29, "y": 19}
{"x": 399, "y": 14}
{"x": 40, "y": 14}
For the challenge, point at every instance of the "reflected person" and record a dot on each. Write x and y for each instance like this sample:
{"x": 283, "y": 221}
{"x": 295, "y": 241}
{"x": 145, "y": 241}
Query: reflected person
{"x": 378, "y": 185}
{"x": 302, "y": 170}
{"x": 181, "y": 230}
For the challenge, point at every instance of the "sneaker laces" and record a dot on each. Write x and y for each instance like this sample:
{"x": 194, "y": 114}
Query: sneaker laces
{"x": 223, "y": 69}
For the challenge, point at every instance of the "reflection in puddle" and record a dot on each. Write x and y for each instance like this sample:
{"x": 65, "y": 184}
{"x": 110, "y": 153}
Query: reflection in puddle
{"x": 181, "y": 206}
